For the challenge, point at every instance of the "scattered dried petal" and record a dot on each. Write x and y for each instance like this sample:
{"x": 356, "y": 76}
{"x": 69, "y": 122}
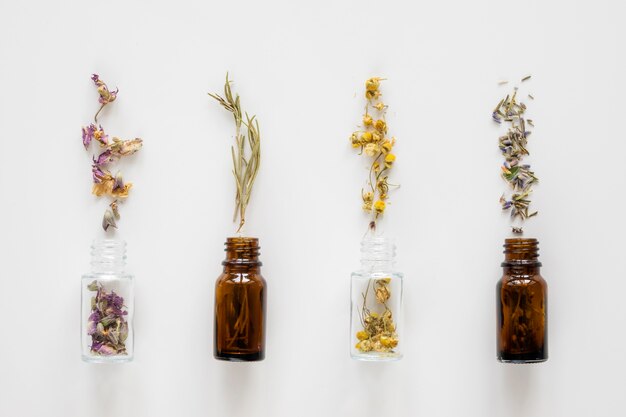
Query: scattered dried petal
{"x": 108, "y": 220}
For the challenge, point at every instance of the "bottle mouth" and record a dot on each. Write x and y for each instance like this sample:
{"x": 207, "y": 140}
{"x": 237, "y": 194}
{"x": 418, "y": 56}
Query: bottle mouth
{"x": 521, "y": 251}
{"x": 378, "y": 248}
{"x": 242, "y": 248}
{"x": 108, "y": 252}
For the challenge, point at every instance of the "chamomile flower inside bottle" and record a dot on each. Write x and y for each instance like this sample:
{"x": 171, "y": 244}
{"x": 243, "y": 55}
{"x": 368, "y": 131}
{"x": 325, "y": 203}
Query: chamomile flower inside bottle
{"x": 376, "y": 288}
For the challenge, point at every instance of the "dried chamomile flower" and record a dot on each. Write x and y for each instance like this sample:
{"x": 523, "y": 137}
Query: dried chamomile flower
{"x": 379, "y": 329}
{"x": 513, "y": 146}
{"x": 111, "y": 150}
{"x": 373, "y": 142}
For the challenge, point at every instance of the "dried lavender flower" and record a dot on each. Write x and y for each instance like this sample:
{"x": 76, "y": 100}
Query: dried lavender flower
{"x": 513, "y": 146}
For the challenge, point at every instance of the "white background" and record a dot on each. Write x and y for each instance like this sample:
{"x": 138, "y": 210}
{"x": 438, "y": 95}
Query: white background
{"x": 300, "y": 66}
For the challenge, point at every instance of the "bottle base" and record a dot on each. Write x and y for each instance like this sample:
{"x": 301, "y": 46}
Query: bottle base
{"x": 521, "y": 358}
{"x": 107, "y": 359}
{"x": 240, "y": 357}
{"x": 376, "y": 357}
{"x": 521, "y": 361}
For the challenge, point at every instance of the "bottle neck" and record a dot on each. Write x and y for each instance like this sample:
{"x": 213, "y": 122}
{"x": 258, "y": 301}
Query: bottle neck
{"x": 242, "y": 253}
{"x": 378, "y": 254}
{"x": 108, "y": 256}
{"x": 521, "y": 256}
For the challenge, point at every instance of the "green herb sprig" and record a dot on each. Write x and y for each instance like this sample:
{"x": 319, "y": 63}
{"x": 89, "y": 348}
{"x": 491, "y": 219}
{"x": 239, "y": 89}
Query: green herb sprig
{"x": 246, "y": 159}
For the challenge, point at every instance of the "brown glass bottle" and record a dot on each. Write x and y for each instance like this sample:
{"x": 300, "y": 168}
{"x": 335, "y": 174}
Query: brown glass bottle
{"x": 522, "y": 314}
{"x": 240, "y": 303}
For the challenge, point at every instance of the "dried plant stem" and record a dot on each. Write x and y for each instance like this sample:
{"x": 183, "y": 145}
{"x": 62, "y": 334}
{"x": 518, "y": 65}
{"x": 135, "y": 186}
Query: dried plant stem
{"x": 246, "y": 159}
{"x": 95, "y": 118}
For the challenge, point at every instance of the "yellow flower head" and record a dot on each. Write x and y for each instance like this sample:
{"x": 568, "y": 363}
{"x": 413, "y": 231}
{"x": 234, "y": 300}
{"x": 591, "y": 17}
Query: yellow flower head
{"x": 389, "y": 159}
{"x": 372, "y": 84}
{"x": 367, "y": 120}
{"x": 371, "y": 149}
{"x": 379, "y": 206}
{"x": 380, "y": 106}
{"x": 368, "y": 197}
{"x": 376, "y": 137}
{"x": 366, "y": 137}
{"x": 386, "y": 146}
{"x": 381, "y": 126}
{"x": 356, "y": 142}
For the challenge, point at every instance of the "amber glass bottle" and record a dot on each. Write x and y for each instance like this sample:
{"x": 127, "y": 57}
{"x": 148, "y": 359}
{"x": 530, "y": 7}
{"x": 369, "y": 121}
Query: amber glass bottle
{"x": 240, "y": 303}
{"x": 522, "y": 305}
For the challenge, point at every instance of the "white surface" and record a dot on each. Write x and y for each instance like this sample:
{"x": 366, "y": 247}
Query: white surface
{"x": 300, "y": 67}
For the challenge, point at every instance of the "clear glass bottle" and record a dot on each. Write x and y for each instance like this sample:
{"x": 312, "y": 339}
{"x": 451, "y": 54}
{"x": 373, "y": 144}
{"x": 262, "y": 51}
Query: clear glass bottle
{"x": 522, "y": 305}
{"x": 376, "y": 308}
{"x": 107, "y": 305}
{"x": 240, "y": 295}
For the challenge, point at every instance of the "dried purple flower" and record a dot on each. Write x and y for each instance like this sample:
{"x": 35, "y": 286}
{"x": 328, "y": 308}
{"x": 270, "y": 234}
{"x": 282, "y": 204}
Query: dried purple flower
{"x": 107, "y": 350}
{"x": 88, "y": 134}
{"x": 97, "y": 173}
{"x": 107, "y": 324}
{"x": 106, "y": 96}
{"x": 112, "y": 150}
{"x": 105, "y": 158}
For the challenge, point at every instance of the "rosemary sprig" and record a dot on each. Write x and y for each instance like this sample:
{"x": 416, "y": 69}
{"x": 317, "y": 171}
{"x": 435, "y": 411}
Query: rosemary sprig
{"x": 246, "y": 159}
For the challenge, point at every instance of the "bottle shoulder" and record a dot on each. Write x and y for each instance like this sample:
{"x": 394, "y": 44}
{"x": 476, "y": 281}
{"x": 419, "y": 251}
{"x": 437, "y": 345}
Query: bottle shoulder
{"x": 522, "y": 279}
{"x": 364, "y": 274}
{"x": 108, "y": 276}
{"x": 236, "y": 277}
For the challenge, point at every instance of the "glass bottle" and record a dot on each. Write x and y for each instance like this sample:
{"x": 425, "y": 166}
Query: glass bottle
{"x": 240, "y": 295}
{"x": 376, "y": 303}
{"x": 522, "y": 296}
{"x": 107, "y": 305}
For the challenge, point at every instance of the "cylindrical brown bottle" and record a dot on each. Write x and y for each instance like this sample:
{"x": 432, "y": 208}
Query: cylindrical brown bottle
{"x": 522, "y": 308}
{"x": 240, "y": 294}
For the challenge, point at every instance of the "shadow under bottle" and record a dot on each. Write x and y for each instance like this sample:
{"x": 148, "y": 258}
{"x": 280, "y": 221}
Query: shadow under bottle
{"x": 521, "y": 296}
{"x": 240, "y": 296}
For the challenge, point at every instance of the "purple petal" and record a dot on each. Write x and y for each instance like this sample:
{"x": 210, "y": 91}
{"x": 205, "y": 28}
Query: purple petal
{"x": 91, "y": 327}
{"x": 97, "y": 173}
{"x": 106, "y": 350}
{"x": 95, "y": 78}
{"x": 88, "y": 133}
{"x": 104, "y": 158}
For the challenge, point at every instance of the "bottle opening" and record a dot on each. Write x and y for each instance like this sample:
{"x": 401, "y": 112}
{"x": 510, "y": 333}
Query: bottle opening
{"x": 242, "y": 248}
{"x": 108, "y": 254}
{"x": 377, "y": 248}
{"x": 521, "y": 250}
